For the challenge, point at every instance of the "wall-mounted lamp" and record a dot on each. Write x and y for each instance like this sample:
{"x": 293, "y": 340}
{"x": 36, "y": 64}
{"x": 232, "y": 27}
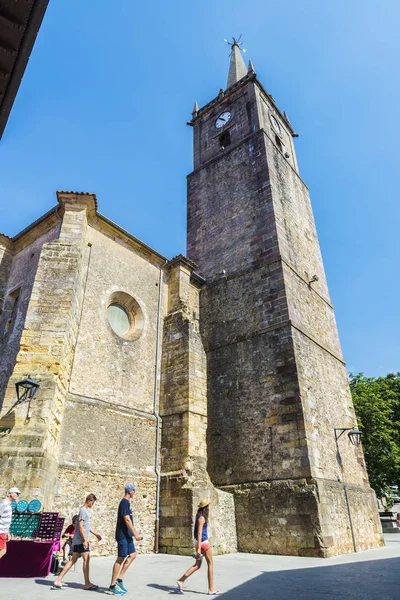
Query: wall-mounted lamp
{"x": 354, "y": 434}
{"x": 313, "y": 279}
{"x": 26, "y": 389}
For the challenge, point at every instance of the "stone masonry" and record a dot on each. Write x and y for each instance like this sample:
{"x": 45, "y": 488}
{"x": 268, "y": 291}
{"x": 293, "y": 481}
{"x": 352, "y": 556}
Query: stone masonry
{"x": 276, "y": 380}
{"x": 218, "y": 375}
{"x": 183, "y": 409}
{"x": 93, "y": 424}
{"x": 92, "y": 427}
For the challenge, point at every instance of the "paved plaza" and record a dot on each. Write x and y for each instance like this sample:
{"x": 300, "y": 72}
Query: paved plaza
{"x": 371, "y": 575}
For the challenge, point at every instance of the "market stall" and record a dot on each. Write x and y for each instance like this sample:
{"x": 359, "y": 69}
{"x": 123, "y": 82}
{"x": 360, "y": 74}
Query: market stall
{"x": 35, "y": 537}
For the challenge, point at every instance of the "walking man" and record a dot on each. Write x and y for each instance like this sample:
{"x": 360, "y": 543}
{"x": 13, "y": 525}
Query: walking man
{"x": 124, "y": 534}
{"x": 80, "y": 545}
{"x": 5, "y": 518}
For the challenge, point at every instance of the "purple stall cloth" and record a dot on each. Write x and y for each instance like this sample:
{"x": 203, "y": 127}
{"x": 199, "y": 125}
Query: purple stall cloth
{"x": 26, "y": 558}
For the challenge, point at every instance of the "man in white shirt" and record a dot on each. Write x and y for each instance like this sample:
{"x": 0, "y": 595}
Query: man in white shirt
{"x": 5, "y": 518}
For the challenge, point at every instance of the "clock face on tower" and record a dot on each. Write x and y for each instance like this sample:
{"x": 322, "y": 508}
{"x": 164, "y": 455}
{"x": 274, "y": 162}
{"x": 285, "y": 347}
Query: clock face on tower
{"x": 222, "y": 119}
{"x": 275, "y": 124}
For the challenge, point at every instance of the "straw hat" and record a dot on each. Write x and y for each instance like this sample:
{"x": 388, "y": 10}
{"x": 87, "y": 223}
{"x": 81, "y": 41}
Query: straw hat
{"x": 203, "y": 503}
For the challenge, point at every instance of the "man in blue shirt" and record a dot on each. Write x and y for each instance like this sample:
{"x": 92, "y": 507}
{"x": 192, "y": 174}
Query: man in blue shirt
{"x": 124, "y": 534}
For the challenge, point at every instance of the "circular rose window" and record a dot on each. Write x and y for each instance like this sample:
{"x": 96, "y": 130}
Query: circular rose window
{"x": 125, "y": 316}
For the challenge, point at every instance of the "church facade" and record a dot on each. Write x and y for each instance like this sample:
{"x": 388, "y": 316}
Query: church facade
{"x": 218, "y": 374}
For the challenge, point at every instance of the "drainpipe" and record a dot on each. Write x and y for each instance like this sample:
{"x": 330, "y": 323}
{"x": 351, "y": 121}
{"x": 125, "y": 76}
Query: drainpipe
{"x": 350, "y": 519}
{"x": 155, "y": 411}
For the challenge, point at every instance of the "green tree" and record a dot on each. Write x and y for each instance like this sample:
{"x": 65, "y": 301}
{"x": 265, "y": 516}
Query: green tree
{"x": 377, "y": 404}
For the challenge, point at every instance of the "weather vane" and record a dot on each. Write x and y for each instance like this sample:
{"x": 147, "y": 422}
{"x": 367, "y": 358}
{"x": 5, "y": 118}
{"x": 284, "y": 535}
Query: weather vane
{"x": 236, "y": 42}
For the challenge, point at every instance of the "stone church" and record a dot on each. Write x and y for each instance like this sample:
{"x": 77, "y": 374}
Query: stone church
{"x": 218, "y": 374}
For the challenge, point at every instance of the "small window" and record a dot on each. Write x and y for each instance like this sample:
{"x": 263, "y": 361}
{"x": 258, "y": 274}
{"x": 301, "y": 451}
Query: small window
{"x": 125, "y": 316}
{"x": 278, "y": 143}
{"x": 224, "y": 139}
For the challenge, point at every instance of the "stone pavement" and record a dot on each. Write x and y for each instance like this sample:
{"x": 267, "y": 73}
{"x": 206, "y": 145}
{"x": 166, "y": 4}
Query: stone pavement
{"x": 371, "y": 575}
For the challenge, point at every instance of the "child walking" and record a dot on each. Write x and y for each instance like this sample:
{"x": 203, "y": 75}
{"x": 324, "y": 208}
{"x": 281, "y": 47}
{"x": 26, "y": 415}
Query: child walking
{"x": 69, "y": 534}
{"x": 202, "y": 547}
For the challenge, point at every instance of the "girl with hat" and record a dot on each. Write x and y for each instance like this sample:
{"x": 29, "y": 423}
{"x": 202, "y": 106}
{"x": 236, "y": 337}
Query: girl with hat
{"x": 202, "y": 547}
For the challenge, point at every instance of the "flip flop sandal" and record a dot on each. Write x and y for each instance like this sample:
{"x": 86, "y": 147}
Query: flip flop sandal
{"x": 178, "y": 590}
{"x": 92, "y": 588}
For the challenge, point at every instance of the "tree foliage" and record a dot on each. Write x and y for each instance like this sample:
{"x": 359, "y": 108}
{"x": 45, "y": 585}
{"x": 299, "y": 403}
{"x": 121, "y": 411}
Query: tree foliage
{"x": 377, "y": 404}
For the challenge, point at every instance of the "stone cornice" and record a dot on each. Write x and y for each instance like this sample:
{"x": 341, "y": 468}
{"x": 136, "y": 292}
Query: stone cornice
{"x": 184, "y": 261}
{"x": 78, "y": 200}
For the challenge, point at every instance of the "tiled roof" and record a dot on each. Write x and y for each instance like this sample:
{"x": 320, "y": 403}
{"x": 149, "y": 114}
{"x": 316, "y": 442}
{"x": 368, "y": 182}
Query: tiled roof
{"x": 20, "y": 22}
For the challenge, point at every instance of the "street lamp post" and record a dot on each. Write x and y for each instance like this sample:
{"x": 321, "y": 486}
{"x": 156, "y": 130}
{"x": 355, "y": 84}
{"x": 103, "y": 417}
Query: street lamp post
{"x": 354, "y": 436}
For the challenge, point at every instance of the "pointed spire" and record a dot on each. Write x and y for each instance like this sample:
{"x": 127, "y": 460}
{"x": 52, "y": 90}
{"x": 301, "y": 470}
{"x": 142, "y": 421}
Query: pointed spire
{"x": 195, "y": 110}
{"x": 251, "y": 68}
{"x": 237, "y": 68}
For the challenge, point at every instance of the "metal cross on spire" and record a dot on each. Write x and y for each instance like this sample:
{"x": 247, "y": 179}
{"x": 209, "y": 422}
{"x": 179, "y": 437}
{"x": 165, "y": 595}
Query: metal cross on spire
{"x": 237, "y": 68}
{"x": 236, "y": 42}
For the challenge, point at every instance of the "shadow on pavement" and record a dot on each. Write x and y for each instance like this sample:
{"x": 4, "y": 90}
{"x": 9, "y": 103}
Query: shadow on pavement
{"x": 369, "y": 580}
{"x": 172, "y": 590}
{"x": 69, "y": 584}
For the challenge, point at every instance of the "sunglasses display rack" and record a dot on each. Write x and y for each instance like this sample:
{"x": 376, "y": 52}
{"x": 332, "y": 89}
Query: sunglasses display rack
{"x": 24, "y": 524}
{"x": 28, "y": 522}
{"x": 59, "y": 528}
{"x": 47, "y": 525}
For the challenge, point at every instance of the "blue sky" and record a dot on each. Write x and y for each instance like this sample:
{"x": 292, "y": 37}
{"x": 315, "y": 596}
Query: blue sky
{"x": 105, "y": 99}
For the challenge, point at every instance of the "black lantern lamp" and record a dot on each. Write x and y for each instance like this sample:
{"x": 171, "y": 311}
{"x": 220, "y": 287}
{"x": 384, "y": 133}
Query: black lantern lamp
{"x": 354, "y": 434}
{"x": 26, "y": 389}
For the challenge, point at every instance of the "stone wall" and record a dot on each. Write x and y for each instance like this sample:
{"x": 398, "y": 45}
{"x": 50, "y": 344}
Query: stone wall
{"x": 73, "y": 487}
{"x": 19, "y": 262}
{"x": 336, "y": 516}
{"x": 28, "y": 452}
{"x": 121, "y": 371}
{"x": 103, "y": 447}
{"x": 183, "y": 408}
{"x": 276, "y": 380}
{"x": 92, "y": 427}
{"x": 109, "y": 429}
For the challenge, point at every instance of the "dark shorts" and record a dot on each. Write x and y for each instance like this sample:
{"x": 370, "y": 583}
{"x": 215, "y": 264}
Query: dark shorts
{"x": 80, "y": 549}
{"x": 126, "y": 547}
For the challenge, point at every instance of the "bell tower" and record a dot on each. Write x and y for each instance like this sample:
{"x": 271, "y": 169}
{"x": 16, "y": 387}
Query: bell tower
{"x": 276, "y": 380}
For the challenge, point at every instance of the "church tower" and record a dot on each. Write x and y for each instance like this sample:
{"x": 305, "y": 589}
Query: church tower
{"x": 277, "y": 387}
